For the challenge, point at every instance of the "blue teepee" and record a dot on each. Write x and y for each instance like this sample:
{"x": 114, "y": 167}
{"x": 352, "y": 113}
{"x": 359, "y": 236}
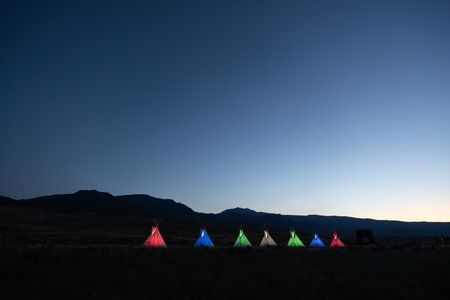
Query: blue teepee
{"x": 204, "y": 240}
{"x": 316, "y": 241}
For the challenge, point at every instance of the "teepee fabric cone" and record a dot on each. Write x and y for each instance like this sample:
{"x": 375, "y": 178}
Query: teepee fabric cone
{"x": 204, "y": 240}
{"x": 267, "y": 240}
{"x": 316, "y": 242}
{"x": 155, "y": 240}
{"x": 336, "y": 242}
{"x": 242, "y": 240}
{"x": 294, "y": 240}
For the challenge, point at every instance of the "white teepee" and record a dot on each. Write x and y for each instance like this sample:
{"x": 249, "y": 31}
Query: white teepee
{"x": 267, "y": 240}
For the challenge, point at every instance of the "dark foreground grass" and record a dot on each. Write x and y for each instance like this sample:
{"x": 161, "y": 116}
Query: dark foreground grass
{"x": 130, "y": 273}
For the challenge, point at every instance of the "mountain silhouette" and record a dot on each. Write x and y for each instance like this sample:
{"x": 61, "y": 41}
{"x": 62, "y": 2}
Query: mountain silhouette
{"x": 92, "y": 201}
{"x": 6, "y": 200}
{"x": 242, "y": 211}
{"x": 105, "y": 204}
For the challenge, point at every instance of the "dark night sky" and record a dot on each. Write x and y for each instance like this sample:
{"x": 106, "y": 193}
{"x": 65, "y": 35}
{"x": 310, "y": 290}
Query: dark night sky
{"x": 299, "y": 107}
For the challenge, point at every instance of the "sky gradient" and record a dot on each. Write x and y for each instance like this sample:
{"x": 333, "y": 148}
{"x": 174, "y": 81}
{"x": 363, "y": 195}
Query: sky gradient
{"x": 294, "y": 107}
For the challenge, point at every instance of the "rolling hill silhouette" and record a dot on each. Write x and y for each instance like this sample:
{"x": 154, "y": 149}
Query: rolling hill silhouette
{"x": 91, "y": 201}
{"x": 105, "y": 204}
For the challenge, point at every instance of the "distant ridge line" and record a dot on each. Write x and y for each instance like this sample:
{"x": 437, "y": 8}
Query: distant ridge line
{"x": 103, "y": 203}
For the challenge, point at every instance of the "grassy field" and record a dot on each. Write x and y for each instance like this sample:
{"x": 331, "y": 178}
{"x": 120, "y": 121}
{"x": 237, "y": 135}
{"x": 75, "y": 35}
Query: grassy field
{"x": 186, "y": 273}
{"x": 46, "y": 255}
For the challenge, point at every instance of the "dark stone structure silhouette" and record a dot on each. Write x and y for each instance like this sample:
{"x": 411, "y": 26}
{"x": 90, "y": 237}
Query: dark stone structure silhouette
{"x": 364, "y": 237}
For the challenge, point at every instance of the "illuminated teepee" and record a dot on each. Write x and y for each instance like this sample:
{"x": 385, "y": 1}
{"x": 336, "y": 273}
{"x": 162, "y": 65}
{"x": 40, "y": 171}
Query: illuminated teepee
{"x": 336, "y": 242}
{"x": 155, "y": 240}
{"x": 242, "y": 240}
{"x": 267, "y": 240}
{"x": 316, "y": 242}
{"x": 204, "y": 239}
{"x": 294, "y": 240}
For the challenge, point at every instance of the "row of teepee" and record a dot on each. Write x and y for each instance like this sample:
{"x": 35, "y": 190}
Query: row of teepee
{"x": 156, "y": 240}
{"x": 294, "y": 240}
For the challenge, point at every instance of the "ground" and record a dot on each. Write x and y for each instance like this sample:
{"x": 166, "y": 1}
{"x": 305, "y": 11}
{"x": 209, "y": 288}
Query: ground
{"x": 225, "y": 273}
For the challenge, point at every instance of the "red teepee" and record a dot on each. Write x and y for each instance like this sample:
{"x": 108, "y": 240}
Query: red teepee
{"x": 155, "y": 239}
{"x": 336, "y": 242}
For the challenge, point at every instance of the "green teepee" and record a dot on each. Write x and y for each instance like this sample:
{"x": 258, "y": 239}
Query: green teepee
{"x": 242, "y": 240}
{"x": 294, "y": 241}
